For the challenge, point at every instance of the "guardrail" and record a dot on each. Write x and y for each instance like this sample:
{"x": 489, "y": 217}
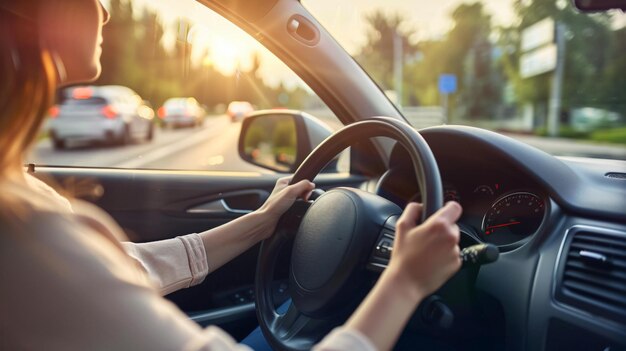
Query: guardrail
{"x": 419, "y": 117}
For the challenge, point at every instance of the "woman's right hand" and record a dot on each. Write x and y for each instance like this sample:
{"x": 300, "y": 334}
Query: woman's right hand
{"x": 425, "y": 256}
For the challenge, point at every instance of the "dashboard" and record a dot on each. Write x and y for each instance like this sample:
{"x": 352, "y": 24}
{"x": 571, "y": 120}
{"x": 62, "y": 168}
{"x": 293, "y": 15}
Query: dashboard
{"x": 560, "y": 226}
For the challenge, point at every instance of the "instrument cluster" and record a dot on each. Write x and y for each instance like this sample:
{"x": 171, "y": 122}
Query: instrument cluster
{"x": 495, "y": 210}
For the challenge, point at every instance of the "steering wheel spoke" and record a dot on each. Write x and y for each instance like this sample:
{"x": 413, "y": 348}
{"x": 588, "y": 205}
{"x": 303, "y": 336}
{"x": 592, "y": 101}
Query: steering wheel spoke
{"x": 289, "y": 222}
{"x": 290, "y": 323}
{"x": 381, "y": 254}
{"x": 298, "y": 330}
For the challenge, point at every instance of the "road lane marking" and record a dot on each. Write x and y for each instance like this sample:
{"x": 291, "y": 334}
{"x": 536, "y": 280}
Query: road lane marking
{"x": 214, "y": 161}
{"x": 171, "y": 149}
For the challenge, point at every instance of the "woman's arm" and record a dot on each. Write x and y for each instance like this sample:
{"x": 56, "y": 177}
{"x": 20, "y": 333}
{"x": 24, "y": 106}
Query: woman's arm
{"x": 228, "y": 241}
{"x": 185, "y": 261}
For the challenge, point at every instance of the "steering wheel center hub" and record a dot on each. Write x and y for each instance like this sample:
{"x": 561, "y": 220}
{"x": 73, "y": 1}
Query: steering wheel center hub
{"x": 331, "y": 248}
{"x": 323, "y": 240}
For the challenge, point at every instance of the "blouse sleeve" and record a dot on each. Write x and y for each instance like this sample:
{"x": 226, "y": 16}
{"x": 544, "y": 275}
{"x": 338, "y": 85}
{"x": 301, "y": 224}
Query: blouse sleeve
{"x": 172, "y": 264}
{"x": 343, "y": 338}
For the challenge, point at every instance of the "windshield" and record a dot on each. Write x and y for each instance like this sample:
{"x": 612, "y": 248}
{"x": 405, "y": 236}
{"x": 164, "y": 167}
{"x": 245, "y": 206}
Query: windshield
{"x": 537, "y": 70}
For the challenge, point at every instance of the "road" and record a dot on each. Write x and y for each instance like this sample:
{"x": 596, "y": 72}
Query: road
{"x": 213, "y": 147}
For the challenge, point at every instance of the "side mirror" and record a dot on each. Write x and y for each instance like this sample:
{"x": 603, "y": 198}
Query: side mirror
{"x": 281, "y": 139}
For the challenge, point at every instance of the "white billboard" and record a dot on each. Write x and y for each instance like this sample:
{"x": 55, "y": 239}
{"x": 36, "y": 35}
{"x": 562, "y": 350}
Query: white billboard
{"x": 538, "y": 61}
{"x": 538, "y": 34}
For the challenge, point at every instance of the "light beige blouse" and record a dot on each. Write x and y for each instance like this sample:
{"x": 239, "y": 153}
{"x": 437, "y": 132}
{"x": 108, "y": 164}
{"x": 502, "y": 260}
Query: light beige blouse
{"x": 68, "y": 283}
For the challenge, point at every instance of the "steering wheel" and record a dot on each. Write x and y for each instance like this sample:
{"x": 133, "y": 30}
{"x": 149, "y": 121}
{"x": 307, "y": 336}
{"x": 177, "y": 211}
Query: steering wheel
{"x": 335, "y": 240}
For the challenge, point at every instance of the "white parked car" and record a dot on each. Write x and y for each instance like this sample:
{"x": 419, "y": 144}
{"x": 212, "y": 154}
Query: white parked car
{"x": 110, "y": 114}
{"x": 237, "y": 110}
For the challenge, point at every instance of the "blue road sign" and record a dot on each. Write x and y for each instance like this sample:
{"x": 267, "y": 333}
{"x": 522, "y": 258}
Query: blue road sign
{"x": 447, "y": 83}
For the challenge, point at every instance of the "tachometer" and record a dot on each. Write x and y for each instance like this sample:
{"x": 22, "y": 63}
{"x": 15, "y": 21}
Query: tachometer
{"x": 512, "y": 218}
{"x": 449, "y": 194}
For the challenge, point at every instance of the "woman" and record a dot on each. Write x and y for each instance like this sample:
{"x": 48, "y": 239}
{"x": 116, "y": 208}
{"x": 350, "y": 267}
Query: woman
{"x": 68, "y": 282}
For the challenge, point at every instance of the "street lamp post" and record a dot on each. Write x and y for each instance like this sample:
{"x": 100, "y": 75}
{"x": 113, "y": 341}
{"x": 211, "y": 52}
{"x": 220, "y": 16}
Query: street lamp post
{"x": 397, "y": 66}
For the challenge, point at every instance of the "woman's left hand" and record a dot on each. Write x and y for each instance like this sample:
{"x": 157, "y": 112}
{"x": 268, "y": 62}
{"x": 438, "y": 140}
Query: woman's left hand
{"x": 283, "y": 196}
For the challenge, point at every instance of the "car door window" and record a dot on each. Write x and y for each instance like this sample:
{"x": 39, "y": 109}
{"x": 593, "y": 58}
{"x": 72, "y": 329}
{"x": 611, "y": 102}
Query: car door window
{"x": 193, "y": 67}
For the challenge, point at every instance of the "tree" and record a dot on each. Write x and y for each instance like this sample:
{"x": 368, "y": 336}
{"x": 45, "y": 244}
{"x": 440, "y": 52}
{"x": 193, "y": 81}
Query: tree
{"x": 466, "y": 51}
{"x": 377, "y": 54}
{"x": 468, "y": 54}
{"x": 135, "y": 55}
{"x": 613, "y": 90}
{"x": 115, "y": 42}
{"x": 588, "y": 50}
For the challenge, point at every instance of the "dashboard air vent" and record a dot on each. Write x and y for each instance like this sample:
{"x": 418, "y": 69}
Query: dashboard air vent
{"x": 593, "y": 274}
{"x": 616, "y": 175}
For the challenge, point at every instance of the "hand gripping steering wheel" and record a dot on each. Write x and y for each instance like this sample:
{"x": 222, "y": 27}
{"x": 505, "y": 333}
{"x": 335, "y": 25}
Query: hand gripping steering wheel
{"x": 334, "y": 238}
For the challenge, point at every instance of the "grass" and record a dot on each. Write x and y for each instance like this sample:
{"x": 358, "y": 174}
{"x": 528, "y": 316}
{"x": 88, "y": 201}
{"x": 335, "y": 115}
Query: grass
{"x": 614, "y": 135}
{"x": 565, "y": 132}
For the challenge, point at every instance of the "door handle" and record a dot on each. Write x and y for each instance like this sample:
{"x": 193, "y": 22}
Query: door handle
{"x": 234, "y": 203}
{"x": 216, "y": 207}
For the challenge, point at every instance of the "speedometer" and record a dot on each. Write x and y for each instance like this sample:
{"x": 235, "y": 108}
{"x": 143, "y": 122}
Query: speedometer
{"x": 512, "y": 218}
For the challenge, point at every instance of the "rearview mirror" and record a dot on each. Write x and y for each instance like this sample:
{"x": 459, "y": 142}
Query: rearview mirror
{"x": 599, "y": 5}
{"x": 280, "y": 139}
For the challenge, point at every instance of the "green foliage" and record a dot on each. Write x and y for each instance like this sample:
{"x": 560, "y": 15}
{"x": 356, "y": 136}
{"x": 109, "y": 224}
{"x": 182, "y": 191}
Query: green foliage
{"x": 255, "y": 135}
{"x": 612, "y": 81}
{"x": 612, "y": 135}
{"x": 377, "y": 54}
{"x": 468, "y": 53}
{"x": 465, "y": 52}
{"x": 284, "y": 134}
{"x": 565, "y": 132}
{"x": 485, "y": 60}
{"x": 271, "y": 141}
{"x": 588, "y": 54}
{"x": 615, "y": 135}
{"x": 134, "y": 54}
